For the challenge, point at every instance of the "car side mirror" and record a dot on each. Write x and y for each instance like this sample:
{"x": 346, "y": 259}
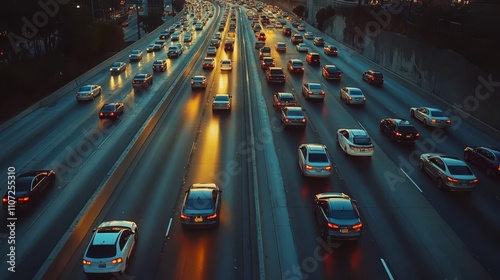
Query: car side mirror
{"x": 94, "y": 229}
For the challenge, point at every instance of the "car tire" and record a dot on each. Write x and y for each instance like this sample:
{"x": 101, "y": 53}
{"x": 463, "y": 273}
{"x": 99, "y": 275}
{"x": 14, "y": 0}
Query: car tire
{"x": 466, "y": 156}
{"x": 420, "y": 165}
{"x": 425, "y": 123}
{"x": 439, "y": 184}
{"x": 412, "y": 113}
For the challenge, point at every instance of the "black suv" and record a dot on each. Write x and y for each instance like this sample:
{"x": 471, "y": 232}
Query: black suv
{"x": 399, "y": 130}
{"x": 275, "y": 75}
{"x": 373, "y": 77}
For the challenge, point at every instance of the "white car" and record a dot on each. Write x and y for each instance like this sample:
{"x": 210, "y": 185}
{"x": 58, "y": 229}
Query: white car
{"x": 88, "y": 92}
{"x": 355, "y": 142}
{"x": 199, "y": 82}
{"x": 431, "y": 116}
{"x": 314, "y": 160}
{"x": 226, "y": 64}
{"x": 302, "y": 47}
{"x": 118, "y": 67}
{"x": 110, "y": 248}
{"x": 222, "y": 102}
{"x": 352, "y": 95}
{"x": 309, "y": 35}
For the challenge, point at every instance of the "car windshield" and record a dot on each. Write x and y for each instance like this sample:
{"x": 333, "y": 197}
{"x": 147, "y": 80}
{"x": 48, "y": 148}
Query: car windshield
{"x": 108, "y": 108}
{"x": 198, "y": 80}
{"x": 361, "y": 140}
{"x": 355, "y": 92}
{"x": 287, "y": 99}
{"x": 158, "y": 62}
{"x": 315, "y": 87}
{"x": 173, "y": 48}
{"x": 86, "y": 88}
{"x": 459, "y": 170}
{"x": 318, "y": 157}
{"x": 207, "y": 61}
{"x": 116, "y": 64}
{"x": 377, "y": 75}
{"x": 297, "y": 63}
{"x": 221, "y": 98}
{"x": 102, "y": 251}
{"x": 437, "y": 114}
{"x": 343, "y": 214}
{"x": 23, "y": 184}
{"x": 135, "y": 52}
{"x": 140, "y": 77}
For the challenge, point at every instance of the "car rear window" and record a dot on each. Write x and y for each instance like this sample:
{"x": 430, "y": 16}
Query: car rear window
{"x": 459, "y": 170}
{"x": 343, "y": 214}
{"x": 295, "y": 113}
{"x": 276, "y": 72}
{"x": 362, "y": 140}
{"x": 318, "y": 157}
{"x": 287, "y": 99}
{"x": 108, "y": 108}
{"x": 198, "y": 203}
{"x": 314, "y": 87}
{"x": 101, "y": 251}
{"x": 221, "y": 98}
{"x": 23, "y": 184}
{"x": 355, "y": 92}
{"x": 437, "y": 114}
{"x": 297, "y": 63}
{"x": 86, "y": 88}
{"x": 406, "y": 129}
{"x": 377, "y": 75}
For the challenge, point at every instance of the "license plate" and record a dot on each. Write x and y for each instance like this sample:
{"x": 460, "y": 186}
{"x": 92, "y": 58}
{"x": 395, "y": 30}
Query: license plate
{"x": 408, "y": 136}
{"x": 344, "y": 230}
{"x": 103, "y": 265}
{"x": 362, "y": 150}
{"x": 198, "y": 219}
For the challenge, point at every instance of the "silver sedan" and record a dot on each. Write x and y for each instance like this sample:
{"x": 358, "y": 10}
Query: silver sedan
{"x": 430, "y": 117}
{"x": 88, "y": 92}
{"x": 448, "y": 172}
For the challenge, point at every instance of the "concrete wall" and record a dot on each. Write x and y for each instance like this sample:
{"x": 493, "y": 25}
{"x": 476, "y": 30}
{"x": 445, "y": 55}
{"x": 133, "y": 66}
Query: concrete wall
{"x": 443, "y": 73}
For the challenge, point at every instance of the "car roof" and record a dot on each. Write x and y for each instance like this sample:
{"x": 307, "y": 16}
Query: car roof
{"x": 452, "y": 161}
{"x": 401, "y": 122}
{"x": 313, "y": 84}
{"x": 329, "y": 195}
{"x": 199, "y": 77}
{"x": 298, "y": 109}
{"x": 295, "y": 60}
{"x": 106, "y": 237}
{"x": 285, "y": 94}
{"x": 211, "y": 186}
{"x": 315, "y": 148}
{"x": 357, "y": 132}
{"x": 116, "y": 223}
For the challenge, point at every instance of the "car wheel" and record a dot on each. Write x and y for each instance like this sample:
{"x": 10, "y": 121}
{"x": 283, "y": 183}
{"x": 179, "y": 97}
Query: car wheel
{"x": 466, "y": 156}
{"x": 323, "y": 233}
{"x": 420, "y": 165}
{"x": 425, "y": 122}
{"x": 439, "y": 183}
{"x": 412, "y": 113}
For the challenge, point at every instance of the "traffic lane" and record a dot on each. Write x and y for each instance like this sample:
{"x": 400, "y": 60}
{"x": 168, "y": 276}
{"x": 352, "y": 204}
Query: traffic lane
{"x": 148, "y": 192}
{"x": 318, "y": 259}
{"x": 205, "y": 254}
{"x": 75, "y": 168}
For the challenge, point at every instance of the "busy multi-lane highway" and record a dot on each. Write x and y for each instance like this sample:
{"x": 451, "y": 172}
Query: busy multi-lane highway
{"x": 411, "y": 230}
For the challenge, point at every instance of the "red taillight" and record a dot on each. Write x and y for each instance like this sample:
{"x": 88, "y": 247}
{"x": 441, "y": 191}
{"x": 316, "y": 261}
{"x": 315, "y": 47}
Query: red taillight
{"x": 308, "y": 167}
{"x": 364, "y": 98}
{"x": 279, "y": 104}
{"x": 212, "y": 216}
{"x": 4, "y": 200}
{"x": 303, "y": 120}
{"x": 24, "y": 199}
{"x": 330, "y": 225}
{"x": 474, "y": 181}
{"x": 448, "y": 121}
{"x": 112, "y": 114}
{"x": 328, "y": 168}
{"x": 287, "y": 120}
{"x": 322, "y": 93}
{"x": 372, "y": 78}
{"x": 118, "y": 260}
{"x": 451, "y": 180}
{"x": 357, "y": 226}
{"x": 184, "y": 217}
{"x": 85, "y": 262}
{"x": 498, "y": 168}
{"x": 398, "y": 134}
{"x": 101, "y": 114}
{"x": 418, "y": 135}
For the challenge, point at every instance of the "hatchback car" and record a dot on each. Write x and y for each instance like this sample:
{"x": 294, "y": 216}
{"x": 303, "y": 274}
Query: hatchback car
{"x": 135, "y": 55}
{"x": 330, "y": 50}
{"x": 30, "y": 186}
{"x": 142, "y": 80}
{"x": 118, "y": 67}
{"x": 275, "y": 75}
{"x": 160, "y": 65}
{"x": 399, "y": 130}
{"x": 201, "y": 206}
{"x": 352, "y": 95}
{"x": 319, "y": 41}
{"x": 430, "y": 117}
{"x": 222, "y": 102}
{"x": 373, "y": 77}
{"x": 331, "y": 72}
{"x": 313, "y": 58}
{"x": 293, "y": 117}
{"x": 314, "y": 160}
{"x": 295, "y": 65}
{"x": 280, "y": 47}
{"x": 111, "y": 110}
{"x": 313, "y": 91}
{"x": 88, "y": 92}
{"x": 284, "y": 99}
{"x": 208, "y": 63}
{"x": 199, "y": 82}
{"x": 110, "y": 248}
{"x": 448, "y": 172}
{"x": 267, "y": 62}
{"x": 302, "y": 47}
{"x": 486, "y": 158}
{"x": 226, "y": 64}
{"x": 355, "y": 142}
{"x": 337, "y": 216}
